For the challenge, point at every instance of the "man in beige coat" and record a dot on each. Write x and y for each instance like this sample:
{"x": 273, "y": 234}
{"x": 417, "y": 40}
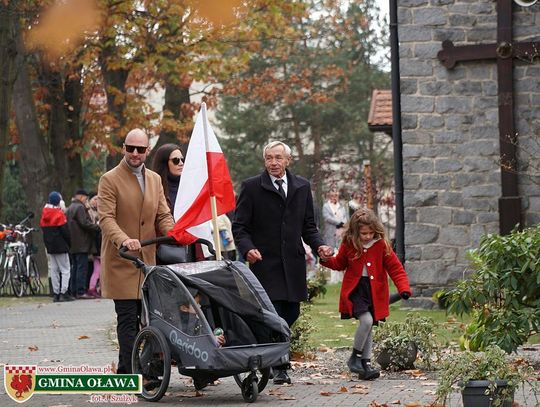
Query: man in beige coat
{"x": 132, "y": 207}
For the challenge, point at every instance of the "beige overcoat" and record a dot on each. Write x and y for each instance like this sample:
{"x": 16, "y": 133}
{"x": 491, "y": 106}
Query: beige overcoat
{"x": 124, "y": 213}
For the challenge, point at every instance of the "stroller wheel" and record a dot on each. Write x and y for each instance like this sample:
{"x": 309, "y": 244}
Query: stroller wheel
{"x": 152, "y": 359}
{"x": 250, "y": 390}
{"x": 262, "y": 376}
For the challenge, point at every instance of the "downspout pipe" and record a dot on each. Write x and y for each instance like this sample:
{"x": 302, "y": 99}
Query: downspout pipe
{"x": 396, "y": 132}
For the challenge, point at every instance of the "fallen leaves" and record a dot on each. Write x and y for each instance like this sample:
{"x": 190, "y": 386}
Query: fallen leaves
{"x": 33, "y": 348}
{"x": 189, "y": 394}
{"x": 83, "y": 337}
{"x": 359, "y": 389}
{"x": 280, "y": 395}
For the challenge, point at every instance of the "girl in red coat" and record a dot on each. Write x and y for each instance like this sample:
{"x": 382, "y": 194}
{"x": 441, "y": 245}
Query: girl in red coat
{"x": 368, "y": 259}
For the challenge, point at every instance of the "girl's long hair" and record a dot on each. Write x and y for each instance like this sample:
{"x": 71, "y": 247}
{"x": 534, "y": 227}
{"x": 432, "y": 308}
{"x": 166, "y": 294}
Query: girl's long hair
{"x": 364, "y": 217}
{"x": 160, "y": 164}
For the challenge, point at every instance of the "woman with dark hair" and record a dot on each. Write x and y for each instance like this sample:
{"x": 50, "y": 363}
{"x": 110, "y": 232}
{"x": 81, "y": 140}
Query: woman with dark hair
{"x": 169, "y": 163}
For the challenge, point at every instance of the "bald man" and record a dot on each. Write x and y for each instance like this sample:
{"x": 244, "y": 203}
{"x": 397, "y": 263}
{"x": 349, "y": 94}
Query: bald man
{"x": 132, "y": 207}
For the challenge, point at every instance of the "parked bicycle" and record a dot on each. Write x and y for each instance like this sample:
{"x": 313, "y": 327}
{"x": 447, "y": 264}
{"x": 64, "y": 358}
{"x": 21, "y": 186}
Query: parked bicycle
{"x": 17, "y": 259}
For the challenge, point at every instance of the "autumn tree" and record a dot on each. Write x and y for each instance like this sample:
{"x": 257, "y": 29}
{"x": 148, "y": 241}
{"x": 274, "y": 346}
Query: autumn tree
{"x": 87, "y": 68}
{"x": 310, "y": 89}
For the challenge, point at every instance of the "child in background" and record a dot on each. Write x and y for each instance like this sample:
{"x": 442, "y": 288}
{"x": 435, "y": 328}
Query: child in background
{"x": 57, "y": 241}
{"x": 368, "y": 259}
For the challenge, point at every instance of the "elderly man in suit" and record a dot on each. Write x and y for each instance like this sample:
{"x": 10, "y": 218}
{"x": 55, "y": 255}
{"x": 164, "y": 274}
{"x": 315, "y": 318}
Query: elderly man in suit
{"x": 132, "y": 206}
{"x": 274, "y": 212}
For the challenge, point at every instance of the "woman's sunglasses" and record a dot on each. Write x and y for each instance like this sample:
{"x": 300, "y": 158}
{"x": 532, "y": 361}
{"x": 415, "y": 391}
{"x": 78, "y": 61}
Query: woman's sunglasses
{"x": 176, "y": 160}
{"x": 140, "y": 149}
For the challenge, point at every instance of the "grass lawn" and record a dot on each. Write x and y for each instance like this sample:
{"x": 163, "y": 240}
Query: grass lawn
{"x": 333, "y": 332}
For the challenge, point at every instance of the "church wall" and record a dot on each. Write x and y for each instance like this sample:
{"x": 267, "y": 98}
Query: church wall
{"x": 450, "y": 134}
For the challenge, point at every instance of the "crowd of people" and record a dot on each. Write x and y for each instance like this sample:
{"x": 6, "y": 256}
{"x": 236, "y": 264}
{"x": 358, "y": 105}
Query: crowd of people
{"x": 273, "y": 228}
{"x": 72, "y": 238}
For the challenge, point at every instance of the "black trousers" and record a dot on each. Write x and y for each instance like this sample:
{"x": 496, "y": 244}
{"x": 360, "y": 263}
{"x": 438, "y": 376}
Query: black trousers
{"x": 128, "y": 314}
{"x": 289, "y": 311}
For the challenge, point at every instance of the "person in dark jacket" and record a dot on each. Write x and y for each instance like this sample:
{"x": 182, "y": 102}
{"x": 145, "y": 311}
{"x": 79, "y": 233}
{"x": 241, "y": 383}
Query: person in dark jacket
{"x": 82, "y": 231}
{"x": 274, "y": 212}
{"x": 53, "y": 223}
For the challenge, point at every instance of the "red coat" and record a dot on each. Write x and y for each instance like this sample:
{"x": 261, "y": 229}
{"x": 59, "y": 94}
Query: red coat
{"x": 379, "y": 265}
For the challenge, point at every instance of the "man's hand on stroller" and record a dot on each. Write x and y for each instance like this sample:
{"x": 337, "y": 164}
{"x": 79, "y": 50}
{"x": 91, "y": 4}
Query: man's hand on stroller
{"x": 132, "y": 244}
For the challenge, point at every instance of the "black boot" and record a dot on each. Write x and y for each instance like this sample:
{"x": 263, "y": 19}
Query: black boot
{"x": 369, "y": 372}
{"x": 354, "y": 362}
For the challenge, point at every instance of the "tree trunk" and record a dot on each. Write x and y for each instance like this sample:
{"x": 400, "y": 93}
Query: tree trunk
{"x": 57, "y": 130}
{"x": 72, "y": 108}
{"x": 115, "y": 84}
{"x": 175, "y": 97}
{"x": 7, "y": 77}
{"x": 36, "y": 168}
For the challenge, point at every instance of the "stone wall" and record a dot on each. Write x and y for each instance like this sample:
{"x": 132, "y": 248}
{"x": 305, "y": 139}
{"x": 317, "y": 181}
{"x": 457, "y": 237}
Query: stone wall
{"x": 450, "y": 134}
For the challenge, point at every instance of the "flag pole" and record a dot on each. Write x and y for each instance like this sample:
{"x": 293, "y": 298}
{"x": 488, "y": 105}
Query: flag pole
{"x": 213, "y": 204}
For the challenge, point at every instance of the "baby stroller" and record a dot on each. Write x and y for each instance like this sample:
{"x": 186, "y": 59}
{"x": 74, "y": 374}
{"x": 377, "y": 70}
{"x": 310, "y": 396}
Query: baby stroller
{"x": 182, "y": 305}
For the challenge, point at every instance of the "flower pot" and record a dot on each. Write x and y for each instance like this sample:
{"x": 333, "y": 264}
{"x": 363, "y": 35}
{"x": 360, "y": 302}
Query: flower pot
{"x": 402, "y": 357}
{"x": 478, "y": 394}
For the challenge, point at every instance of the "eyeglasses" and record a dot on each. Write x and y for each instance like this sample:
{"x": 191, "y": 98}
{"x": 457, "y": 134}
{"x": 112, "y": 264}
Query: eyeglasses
{"x": 131, "y": 149}
{"x": 176, "y": 160}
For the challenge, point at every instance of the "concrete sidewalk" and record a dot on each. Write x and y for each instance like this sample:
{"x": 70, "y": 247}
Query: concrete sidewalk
{"x": 79, "y": 333}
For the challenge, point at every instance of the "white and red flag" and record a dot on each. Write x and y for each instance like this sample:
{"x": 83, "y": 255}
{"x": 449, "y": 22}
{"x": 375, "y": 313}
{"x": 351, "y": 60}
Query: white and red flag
{"x": 205, "y": 178}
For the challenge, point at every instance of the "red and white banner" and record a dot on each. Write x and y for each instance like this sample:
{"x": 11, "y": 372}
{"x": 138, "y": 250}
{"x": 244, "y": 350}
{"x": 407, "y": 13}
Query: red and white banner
{"x": 205, "y": 174}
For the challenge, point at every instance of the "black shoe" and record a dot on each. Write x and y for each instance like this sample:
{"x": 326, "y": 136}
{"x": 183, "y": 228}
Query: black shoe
{"x": 370, "y": 372}
{"x": 56, "y": 298}
{"x": 65, "y": 298}
{"x": 199, "y": 383}
{"x": 281, "y": 377}
{"x": 355, "y": 362}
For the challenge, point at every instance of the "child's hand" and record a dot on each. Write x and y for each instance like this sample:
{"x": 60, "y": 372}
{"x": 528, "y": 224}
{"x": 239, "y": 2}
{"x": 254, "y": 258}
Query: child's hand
{"x": 221, "y": 340}
{"x": 325, "y": 252}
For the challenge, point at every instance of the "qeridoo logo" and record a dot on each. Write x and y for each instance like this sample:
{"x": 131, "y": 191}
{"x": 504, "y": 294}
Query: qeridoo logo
{"x": 21, "y": 382}
{"x": 189, "y": 348}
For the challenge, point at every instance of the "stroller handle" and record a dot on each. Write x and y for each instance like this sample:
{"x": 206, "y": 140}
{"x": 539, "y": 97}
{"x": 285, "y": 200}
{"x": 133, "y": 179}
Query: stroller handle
{"x": 162, "y": 239}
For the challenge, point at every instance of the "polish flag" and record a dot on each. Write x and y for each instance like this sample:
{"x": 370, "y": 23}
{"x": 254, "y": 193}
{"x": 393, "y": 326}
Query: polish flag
{"x": 205, "y": 174}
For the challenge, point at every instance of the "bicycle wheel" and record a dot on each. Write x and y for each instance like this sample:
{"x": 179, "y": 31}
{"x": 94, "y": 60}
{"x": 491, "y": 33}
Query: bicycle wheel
{"x": 261, "y": 375}
{"x": 4, "y": 277}
{"x": 152, "y": 359}
{"x": 33, "y": 275}
{"x": 16, "y": 275}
